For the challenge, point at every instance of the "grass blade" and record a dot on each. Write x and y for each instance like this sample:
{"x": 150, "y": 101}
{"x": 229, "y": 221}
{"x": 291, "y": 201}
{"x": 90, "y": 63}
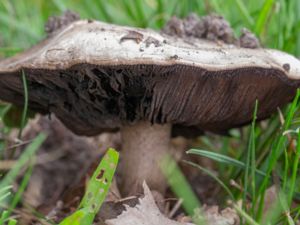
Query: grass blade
{"x": 60, "y": 5}
{"x": 244, "y": 215}
{"x": 276, "y": 151}
{"x": 11, "y": 22}
{"x": 263, "y": 16}
{"x": 222, "y": 159}
{"x": 12, "y": 222}
{"x": 4, "y": 196}
{"x": 180, "y": 186}
{"x": 295, "y": 166}
{"x": 96, "y": 192}
{"x": 3, "y": 217}
{"x": 25, "y": 108}
{"x": 245, "y": 13}
{"x": 250, "y": 161}
{"x": 208, "y": 172}
{"x": 23, "y": 160}
{"x": 17, "y": 196}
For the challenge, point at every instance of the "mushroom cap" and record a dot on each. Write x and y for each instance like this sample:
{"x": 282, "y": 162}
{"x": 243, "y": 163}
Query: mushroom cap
{"x": 97, "y": 77}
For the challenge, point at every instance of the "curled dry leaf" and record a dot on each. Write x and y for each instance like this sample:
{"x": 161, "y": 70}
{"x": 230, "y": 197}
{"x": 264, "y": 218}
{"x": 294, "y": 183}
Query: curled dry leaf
{"x": 146, "y": 212}
{"x": 271, "y": 197}
{"x": 226, "y": 216}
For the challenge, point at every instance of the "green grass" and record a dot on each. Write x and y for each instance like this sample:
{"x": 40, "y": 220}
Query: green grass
{"x": 182, "y": 189}
{"x": 256, "y": 177}
{"x": 255, "y": 157}
{"x": 96, "y": 191}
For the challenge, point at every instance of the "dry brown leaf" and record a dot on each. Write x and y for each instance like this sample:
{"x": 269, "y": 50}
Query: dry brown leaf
{"x": 144, "y": 213}
{"x": 147, "y": 213}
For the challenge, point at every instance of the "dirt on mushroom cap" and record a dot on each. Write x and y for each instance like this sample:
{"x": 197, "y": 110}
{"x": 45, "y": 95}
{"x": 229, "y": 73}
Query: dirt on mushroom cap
{"x": 55, "y": 23}
{"x": 212, "y": 27}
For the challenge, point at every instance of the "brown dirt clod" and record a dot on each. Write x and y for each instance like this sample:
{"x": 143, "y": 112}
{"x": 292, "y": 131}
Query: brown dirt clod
{"x": 248, "y": 39}
{"x": 174, "y": 27}
{"x": 212, "y": 27}
{"x": 55, "y": 23}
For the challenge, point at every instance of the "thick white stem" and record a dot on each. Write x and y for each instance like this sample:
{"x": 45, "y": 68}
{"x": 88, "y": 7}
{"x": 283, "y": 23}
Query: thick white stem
{"x": 143, "y": 146}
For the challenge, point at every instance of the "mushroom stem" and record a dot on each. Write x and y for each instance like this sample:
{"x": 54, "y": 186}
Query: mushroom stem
{"x": 143, "y": 146}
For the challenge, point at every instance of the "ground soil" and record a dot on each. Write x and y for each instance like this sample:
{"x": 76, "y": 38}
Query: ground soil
{"x": 58, "y": 184}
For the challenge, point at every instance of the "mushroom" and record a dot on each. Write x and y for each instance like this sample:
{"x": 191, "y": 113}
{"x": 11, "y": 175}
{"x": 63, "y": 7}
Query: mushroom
{"x": 98, "y": 77}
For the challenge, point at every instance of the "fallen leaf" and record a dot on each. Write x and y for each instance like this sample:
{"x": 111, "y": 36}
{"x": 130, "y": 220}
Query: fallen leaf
{"x": 146, "y": 212}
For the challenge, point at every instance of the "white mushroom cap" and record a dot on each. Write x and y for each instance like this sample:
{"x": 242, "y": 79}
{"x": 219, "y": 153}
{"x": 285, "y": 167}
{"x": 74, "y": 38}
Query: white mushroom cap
{"x": 96, "y": 76}
{"x": 101, "y": 43}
